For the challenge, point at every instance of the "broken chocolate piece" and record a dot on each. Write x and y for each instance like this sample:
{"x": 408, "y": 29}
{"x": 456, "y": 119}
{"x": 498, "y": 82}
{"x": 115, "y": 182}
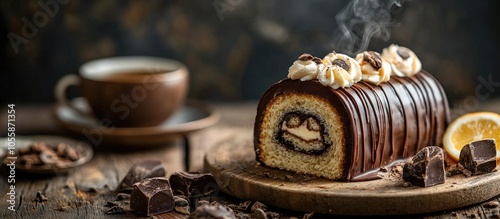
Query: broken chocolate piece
{"x": 426, "y": 168}
{"x": 152, "y": 196}
{"x": 479, "y": 156}
{"x": 214, "y": 210}
{"x": 140, "y": 171}
{"x": 193, "y": 185}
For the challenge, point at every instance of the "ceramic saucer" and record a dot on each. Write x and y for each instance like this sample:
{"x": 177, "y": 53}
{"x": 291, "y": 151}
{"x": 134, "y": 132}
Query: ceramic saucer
{"x": 190, "y": 117}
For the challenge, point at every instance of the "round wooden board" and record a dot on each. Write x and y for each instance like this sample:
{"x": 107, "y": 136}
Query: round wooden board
{"x": 238, "y": 174}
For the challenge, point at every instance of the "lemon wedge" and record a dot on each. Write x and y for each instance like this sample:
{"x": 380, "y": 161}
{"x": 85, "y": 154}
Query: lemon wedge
{"x": 471, "y": 127}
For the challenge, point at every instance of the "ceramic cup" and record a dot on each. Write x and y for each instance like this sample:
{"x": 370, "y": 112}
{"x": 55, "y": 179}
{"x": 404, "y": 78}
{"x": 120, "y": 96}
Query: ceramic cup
{"x": 131, "y": 91}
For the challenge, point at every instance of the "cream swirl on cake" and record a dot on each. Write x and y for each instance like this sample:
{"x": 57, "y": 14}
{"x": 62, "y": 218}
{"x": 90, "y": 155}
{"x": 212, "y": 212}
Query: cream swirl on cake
{"x": 305, "y": 68}
{"x": 404, "y": 62}
{"x": 347, "y": 63}
{"x": 335, "y": 70}
{"x": 375, "y": 70}
{"x": 335, "y": 76}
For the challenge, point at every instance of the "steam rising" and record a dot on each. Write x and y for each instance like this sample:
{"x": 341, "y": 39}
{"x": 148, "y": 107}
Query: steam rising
{"x": 361, "y": 20}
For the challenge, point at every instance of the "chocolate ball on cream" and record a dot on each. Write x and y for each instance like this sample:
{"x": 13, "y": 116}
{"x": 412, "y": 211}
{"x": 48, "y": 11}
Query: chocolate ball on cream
{"x": 346, "y": 63}
{"x": 305, "y": 68}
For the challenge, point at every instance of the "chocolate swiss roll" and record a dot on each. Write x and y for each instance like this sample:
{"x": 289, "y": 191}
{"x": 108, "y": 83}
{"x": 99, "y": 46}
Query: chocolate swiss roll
{"x": 341, "y": 131}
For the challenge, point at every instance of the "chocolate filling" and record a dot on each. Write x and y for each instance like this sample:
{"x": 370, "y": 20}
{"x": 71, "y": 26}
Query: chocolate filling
{"x": 293, "y": 120}
{"x": 341, "y": 63}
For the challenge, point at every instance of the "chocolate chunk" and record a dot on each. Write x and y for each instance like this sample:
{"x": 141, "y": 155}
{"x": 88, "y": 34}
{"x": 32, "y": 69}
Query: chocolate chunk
{"x": 373, "y": 58}
{"x": 341, "y": 63}
{"x": 214, "y": 210}
{"x": 193, "y": 185}
{"x": 152, "y": 196}
{"x": 305, "y": 57}
{"x": 140, "y": 171}
{"x": 403, "y": 54}
{"x": 479, "y": 157}
{"x": 426, "y": 168}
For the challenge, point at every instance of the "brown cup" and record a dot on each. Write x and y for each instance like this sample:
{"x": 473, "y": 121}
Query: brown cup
{"x": 131, "y": 91}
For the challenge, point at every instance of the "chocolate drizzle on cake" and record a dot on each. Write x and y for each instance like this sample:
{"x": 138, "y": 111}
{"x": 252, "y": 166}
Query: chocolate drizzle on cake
{"x": 303, "y": 133}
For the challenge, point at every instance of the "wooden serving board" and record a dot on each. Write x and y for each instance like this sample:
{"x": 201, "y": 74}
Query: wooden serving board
{"x": 238, "y": 174}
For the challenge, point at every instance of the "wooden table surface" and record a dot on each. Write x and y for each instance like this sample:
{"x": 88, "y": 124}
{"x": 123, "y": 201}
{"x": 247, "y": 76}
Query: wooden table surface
{"x": 84, "y": 191}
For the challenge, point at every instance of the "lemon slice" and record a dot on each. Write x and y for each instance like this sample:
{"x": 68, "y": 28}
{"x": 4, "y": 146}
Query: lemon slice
{"x": 471, "y": 127}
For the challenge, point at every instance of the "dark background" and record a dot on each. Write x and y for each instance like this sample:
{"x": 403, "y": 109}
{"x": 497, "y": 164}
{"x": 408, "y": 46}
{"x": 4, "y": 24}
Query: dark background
{"x": 235, "y": 49}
